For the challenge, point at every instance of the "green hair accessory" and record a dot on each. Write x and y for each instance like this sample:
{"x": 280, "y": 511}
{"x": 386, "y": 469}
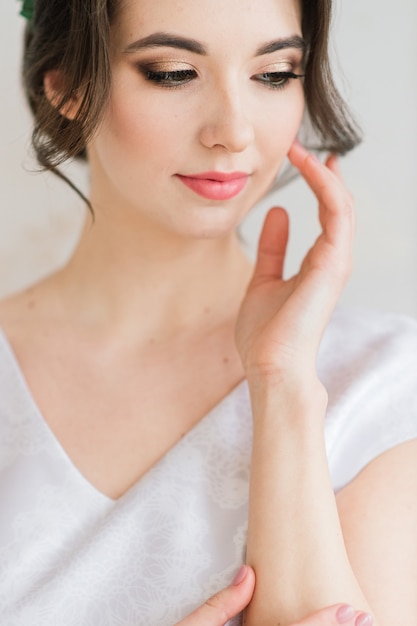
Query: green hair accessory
{"x": 27, "y": 9}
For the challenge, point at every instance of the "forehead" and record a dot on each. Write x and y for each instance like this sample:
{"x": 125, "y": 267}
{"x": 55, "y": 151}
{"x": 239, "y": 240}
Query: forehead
{"x": 226, "y": 21}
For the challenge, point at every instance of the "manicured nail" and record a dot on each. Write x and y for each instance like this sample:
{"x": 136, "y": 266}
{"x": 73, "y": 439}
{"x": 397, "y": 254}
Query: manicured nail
{"x": 364, "y": 620}
{"x": 240, "y": 576}
{"x": 345, "y": 614}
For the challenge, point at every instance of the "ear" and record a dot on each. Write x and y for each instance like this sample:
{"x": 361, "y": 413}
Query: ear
{"x": 54, "y": 86}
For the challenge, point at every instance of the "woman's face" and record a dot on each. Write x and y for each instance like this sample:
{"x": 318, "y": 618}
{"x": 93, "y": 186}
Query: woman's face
{"x": 202, "y": 110}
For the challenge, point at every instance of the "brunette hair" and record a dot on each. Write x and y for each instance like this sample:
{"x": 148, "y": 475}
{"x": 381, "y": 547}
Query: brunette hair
{"x": 73, "y": 37}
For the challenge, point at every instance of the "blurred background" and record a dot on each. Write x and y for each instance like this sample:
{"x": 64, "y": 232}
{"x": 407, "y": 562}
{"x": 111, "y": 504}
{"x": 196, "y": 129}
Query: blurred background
{"x": 375, "y": 63}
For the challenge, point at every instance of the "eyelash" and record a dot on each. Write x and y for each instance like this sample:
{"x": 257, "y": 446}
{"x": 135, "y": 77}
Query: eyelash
{"x": 180, "y": 78}
{"x": 277, "y": 80}
{"x": 170, "y": 80}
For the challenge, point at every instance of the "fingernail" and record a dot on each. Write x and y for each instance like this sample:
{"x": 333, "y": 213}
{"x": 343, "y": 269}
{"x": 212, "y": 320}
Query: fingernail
{"x": 314, "y": 158}
{"x": 364, "y": 620}
{"x": 345, "y": 614}
{"x": 240, "y": 576}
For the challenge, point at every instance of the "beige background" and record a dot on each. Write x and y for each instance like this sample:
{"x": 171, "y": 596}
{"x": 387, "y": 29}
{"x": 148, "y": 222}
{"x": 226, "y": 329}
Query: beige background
{"x": 40, "y": 219}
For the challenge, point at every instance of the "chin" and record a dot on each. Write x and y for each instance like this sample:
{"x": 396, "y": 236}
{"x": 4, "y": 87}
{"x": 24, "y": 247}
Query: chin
{"x": 211, "y": 223}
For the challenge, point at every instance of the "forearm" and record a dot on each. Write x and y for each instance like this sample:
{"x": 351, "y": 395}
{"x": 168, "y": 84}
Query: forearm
{"x": 295, "y": 542}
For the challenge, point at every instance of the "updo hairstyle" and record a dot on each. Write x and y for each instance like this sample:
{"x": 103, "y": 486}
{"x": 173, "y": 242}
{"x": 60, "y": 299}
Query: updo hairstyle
{"x": 73, "y": 37}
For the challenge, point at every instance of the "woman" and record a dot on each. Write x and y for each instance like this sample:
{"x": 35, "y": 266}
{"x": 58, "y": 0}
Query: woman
{"x": 132, "y": 378}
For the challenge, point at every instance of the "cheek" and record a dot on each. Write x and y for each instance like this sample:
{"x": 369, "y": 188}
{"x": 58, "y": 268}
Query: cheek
{"x": 283, "y": 123}
{"x": 140, "y": 134}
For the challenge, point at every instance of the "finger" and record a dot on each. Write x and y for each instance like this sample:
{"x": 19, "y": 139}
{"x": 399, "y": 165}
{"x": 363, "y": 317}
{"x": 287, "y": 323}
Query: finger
{"x": 319, "y": 177}
{"x": 339, "y": 614}
{"x": 332, "y": 163}
{"x": 225, "y": 604}
{"x": 300, "y": 157}
{"x": 336, "y": 203}
{"x": 272, "y": 247}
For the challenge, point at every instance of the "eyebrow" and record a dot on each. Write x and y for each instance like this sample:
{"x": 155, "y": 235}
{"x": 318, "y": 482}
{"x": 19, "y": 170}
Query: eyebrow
{"x": 168, "y": 40}
{"x": 282, "y": 44}
{"x": 158, "y": 40}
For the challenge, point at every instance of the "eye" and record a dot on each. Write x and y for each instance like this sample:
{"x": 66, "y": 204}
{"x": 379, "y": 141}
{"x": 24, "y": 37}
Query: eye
{"x": 276, "y": 80}
{"x": 170, "y": 79}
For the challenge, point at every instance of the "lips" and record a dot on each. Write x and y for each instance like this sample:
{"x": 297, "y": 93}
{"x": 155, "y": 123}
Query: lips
{"x": 216, "y": 185}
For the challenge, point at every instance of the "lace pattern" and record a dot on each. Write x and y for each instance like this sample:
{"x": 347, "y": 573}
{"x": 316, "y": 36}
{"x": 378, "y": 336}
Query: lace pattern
{"x": 71, "y": 556}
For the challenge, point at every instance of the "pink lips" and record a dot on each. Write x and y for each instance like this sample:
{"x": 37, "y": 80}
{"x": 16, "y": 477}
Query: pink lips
{"x": 216, "y": 185}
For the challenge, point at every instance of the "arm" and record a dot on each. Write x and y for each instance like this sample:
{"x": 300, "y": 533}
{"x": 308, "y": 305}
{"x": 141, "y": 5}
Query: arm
{"x": 378, "y": 513}
{"x": 376, "y": 532}
{"x": 295, "y": 541}
{"x": 229, "y": 602}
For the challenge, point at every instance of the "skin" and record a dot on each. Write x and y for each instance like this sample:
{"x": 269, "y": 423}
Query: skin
{"x": 223, "y": 120}
{"x": 155, "y": 245}
{"x": 289, "y": 464}
{"x": 142, "y": 293}
{"x": 229, "y": 602}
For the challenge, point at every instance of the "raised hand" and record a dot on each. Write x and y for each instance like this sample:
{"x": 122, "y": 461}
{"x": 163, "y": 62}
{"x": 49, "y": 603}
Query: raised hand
{"x": 281, "y": 321}
{"x": 229, "y": 602}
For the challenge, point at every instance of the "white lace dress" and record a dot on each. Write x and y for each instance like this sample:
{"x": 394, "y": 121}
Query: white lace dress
{"x": 70, "y": 556}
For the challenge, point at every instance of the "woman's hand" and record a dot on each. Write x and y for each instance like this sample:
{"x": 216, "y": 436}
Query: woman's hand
{"x": 295, "y": 542}
{"x": 281, "y": 322}
{"x": 225, "y": 604}
{"x": 229, "y": 602}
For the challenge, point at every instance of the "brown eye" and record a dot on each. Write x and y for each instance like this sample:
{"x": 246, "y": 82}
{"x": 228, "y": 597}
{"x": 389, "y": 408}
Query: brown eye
{"x": 276, "y": 80}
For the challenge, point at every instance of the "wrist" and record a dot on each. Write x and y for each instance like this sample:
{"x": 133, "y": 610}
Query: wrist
{"x": 289, "y": 401}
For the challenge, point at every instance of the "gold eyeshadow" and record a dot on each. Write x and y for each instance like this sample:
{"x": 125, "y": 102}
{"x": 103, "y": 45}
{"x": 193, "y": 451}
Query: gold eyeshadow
{"x": 165, "y": 66}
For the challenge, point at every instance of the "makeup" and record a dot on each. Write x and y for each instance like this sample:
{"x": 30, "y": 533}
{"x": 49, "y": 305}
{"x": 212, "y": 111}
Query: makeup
{"x": 215, "y": 185}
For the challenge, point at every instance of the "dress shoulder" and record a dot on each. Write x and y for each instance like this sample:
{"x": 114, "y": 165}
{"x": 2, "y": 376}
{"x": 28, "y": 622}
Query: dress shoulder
{"x": 368, "y": 364}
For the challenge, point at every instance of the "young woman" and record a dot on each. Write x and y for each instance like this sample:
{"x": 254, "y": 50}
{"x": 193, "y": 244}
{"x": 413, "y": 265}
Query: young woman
{"x": 140, "y": 382}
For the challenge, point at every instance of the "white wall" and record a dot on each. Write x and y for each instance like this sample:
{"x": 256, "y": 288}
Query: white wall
{"x": 377, "y": 48}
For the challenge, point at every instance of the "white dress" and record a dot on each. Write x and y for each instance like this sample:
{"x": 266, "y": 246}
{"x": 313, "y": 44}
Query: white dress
{"x": 70, "y": 556}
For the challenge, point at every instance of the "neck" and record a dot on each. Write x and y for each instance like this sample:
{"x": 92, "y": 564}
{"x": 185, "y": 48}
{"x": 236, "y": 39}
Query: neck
{"x": 121, "y": 273}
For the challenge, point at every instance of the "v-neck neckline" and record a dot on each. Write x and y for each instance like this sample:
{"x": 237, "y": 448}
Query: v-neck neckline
{"x": 29, "y": 400}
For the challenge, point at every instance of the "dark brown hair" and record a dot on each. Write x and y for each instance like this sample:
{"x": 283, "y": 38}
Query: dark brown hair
{"x": 73, "y": 37}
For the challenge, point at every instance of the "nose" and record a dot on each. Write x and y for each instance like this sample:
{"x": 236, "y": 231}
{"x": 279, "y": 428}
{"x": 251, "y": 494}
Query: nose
{"x": 226, "y": 124}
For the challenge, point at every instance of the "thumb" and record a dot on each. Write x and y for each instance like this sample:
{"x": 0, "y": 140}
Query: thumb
{"x": 225, "y": 604}
{"x": 337, "y": 615}
{"x": 272, "y": 246}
